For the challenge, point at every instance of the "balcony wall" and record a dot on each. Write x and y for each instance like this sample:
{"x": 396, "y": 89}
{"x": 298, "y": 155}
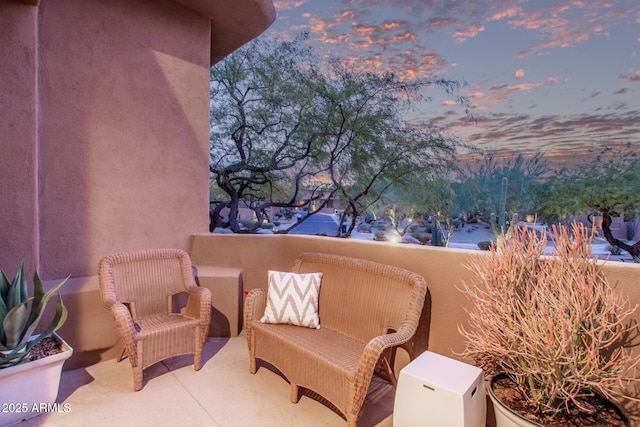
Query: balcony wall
{"x": 443, "y": 269}
{"x": 93, "y": 335}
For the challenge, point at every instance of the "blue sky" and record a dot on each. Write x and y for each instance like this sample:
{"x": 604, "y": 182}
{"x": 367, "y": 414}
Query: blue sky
{"x": 556, "y": 76}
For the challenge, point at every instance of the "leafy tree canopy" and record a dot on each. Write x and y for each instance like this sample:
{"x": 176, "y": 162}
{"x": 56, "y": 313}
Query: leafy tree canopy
{"x": 282, "y": 130}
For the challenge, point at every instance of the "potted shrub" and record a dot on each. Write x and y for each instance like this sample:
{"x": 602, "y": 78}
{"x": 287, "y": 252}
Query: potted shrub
{"x": 31, "y": 355}
{"x": 550, "y": 331}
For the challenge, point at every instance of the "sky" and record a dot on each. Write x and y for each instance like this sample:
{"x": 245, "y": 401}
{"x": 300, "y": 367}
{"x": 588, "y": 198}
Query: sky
{"x": 561, "y": 77}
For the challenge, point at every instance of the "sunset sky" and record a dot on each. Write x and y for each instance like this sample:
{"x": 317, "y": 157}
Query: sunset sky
{"x": 548, "y": 75}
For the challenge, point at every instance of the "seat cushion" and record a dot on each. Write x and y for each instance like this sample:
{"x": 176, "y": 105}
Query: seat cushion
{"x": 292, "y": 299}
{"x": 152, "y": 325}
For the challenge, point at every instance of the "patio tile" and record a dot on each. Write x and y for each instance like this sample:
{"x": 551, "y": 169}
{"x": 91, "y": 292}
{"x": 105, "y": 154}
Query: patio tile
{"x": 222, "y": 394}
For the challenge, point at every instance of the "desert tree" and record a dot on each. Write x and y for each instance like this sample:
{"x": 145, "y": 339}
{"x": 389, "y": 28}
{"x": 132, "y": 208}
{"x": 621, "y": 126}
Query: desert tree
{"x": 286, "y": 127}
{"x": 478, "y": 186}
{"x": 369, "y": 146}
{"x": 262, "y": 141}
{"x": 607, "y": 184}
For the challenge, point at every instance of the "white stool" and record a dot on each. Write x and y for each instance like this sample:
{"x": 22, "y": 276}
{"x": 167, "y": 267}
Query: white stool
{"x": 435, "y": 390}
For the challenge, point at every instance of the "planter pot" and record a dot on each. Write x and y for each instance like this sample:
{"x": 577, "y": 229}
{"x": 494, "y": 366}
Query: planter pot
{"x": 505, "y": 417}
{"x": 31, "y": 388}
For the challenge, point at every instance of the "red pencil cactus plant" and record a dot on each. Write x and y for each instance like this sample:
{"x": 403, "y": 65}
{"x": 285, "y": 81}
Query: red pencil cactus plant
{"x": 553, "y": 324}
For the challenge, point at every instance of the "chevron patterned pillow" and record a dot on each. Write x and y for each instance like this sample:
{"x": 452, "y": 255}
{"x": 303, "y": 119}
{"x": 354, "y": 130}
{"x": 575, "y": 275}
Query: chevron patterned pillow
{"x": 292, "y": 299}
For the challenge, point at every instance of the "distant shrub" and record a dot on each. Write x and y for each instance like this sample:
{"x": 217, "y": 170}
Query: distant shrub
{"x": 423, "y": 238}
{"x": 364, "y": 228}
{"x": 486, "y": 245}
{"x": 614, "y": 250}
{"x": 220, "y": 230}
{"x": 380, "y": 236}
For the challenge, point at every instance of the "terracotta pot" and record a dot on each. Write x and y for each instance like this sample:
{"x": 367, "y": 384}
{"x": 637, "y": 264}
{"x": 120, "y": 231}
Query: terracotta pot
{"x": 505, "y": 417}
{"x": 31, "y": 388}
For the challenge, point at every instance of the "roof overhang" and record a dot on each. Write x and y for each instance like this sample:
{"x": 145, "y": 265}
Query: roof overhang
{"x": 233, "y": 22}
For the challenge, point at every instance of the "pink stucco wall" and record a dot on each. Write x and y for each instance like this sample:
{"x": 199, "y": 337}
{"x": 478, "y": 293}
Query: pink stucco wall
{"x": 18, "y": 132}
{"x": 106, "y": 143}
{"x": 123, "y": 129}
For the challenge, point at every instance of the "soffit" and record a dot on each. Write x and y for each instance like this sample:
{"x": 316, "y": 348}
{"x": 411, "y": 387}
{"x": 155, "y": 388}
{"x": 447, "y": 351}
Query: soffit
{"x": 233, "y": 22}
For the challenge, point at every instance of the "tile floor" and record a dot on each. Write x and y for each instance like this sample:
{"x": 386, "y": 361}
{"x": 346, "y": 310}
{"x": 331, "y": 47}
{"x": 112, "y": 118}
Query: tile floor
{"x": 222, "y": 393}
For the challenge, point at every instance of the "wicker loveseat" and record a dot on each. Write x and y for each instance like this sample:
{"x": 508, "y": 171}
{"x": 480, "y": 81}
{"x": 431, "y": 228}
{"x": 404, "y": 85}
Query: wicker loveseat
{"x": 364, "y": 309}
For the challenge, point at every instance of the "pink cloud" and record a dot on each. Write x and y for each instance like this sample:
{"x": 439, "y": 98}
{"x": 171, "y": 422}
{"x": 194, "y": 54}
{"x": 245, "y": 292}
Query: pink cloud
{"x": 552, "y": 133}
{"x": 509, "y": 12}
{"x": 440, "y": 21}
{"x": 288, "y": 4}
{"x": 471, "y": 31}
{"x": 557, "y": 31}
{"x": 634, "y": 77}
{"x": 519, "y": 73}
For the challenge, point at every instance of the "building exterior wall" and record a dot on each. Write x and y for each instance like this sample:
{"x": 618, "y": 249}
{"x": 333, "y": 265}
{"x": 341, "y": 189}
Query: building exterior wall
{"x": 105, "y": 142}
{"x": 18, "y": 136}
{"x": 123, "y": 132}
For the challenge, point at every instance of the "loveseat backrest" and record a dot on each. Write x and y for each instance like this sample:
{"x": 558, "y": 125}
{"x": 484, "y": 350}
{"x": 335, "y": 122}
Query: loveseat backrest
{"x": 363, "y": 299}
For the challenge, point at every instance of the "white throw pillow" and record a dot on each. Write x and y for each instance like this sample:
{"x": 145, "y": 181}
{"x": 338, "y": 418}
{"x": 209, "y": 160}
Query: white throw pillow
{"x": 292, "y": 299}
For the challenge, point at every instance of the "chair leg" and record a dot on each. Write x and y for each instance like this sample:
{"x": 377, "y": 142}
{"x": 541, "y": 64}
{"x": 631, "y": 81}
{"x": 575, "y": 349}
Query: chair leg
{"x": 197, "y": 356}
{"x": 352, "y": 419}
{"x": 197, "y": 360}
{"x": 137, "y": 378}
{"x": 138, "y": 368}
{"x": 122, "y": 356}
{"x": 295, "y": 393}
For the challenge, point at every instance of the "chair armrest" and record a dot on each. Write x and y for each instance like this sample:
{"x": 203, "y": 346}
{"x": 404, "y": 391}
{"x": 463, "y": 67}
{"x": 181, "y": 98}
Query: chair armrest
{"x": 370, "y": 356}
{"x": 254, "y": 305}
{"x": 199, "y": 307}
{"x": 199, "y": 302}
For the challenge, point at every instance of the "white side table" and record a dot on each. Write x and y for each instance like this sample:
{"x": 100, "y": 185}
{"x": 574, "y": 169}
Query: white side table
{"x": 435, "y": 390}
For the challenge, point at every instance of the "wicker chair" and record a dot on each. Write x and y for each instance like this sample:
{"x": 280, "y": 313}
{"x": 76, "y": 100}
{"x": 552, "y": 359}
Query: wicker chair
{"x": 140, "y": 289}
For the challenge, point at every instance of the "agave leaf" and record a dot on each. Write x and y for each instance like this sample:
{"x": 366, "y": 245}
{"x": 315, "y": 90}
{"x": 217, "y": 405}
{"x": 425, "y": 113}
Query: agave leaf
{"x": 38, "y": 296}
{"x": 4, "y": 292}
{"x": 14, "y": 323}
{"x": 18, "y": 291}
{"x": 37, "y": 310}
{"x": 5, "y": 284}
{"x": 16, "y": 357}
{"x": 57, "y": 321}
{"x": 38, "y": 289}
{"x": 24, "y": 286}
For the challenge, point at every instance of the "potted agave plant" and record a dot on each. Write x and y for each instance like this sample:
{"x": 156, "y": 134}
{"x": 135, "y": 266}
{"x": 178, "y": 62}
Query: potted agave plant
{"x": 31, "y": 355}
{"x": 549, "y": 331}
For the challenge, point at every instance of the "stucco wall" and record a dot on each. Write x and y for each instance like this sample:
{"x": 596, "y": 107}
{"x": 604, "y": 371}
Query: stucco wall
{"x": 18, "y": 131}
{"x": 123, "y": 161}
{"x": 443, "y": 270}
{"x": 104, "y": 132}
